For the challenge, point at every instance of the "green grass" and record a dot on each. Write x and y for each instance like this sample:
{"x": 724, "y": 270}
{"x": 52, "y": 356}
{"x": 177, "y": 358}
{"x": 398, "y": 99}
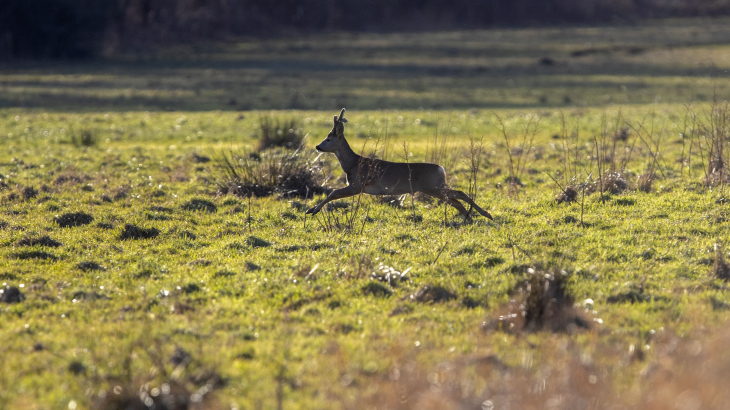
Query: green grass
{"x": 240, "y": 297}
{"x": 278, "y": 306}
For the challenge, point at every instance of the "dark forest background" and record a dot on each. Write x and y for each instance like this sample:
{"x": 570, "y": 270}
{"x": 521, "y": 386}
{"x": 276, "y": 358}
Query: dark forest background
{"x": 71, "y": 29}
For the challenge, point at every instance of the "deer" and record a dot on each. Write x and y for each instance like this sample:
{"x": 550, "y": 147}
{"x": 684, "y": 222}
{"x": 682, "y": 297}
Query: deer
{"x": 378, "y": 177}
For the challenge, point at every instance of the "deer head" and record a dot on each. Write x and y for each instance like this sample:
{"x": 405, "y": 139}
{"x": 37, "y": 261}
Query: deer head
{"x": 336, "y": 137}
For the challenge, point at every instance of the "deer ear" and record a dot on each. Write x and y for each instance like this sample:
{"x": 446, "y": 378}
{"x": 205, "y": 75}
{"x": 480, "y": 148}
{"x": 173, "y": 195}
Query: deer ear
{"x": 342, "y": 113}
{"x": 335, "y": 119}
{"x": 343, "y": 120}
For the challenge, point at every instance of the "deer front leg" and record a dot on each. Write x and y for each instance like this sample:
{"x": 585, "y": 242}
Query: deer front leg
{"x": 345, "y": 192}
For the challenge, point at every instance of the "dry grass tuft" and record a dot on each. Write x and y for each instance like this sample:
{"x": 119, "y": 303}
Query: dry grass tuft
{"x": 645, "y": 181}
{"x": 717, "y": 172}
{"x": 542, "y": 302}
{"x": 611, "y": 182}
{"x": 720, "y": 269}
{"x": 568, "y": 195}
{"x": 275, "y": 171}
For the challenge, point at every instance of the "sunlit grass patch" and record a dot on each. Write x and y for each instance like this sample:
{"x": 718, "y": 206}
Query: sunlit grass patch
{"x": 266, "y": 300}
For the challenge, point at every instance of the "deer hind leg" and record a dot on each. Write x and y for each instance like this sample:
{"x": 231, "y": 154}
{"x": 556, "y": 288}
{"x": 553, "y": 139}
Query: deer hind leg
{"x": 454, "y": 194}
{"x": 443, "y": 195}
{"x": 456, "y": 204}
{"x": 345, "y": 192}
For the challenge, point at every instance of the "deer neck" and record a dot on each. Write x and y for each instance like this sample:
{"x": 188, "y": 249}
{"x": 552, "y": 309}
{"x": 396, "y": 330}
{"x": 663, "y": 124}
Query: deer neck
{"x": 347, "y": 157}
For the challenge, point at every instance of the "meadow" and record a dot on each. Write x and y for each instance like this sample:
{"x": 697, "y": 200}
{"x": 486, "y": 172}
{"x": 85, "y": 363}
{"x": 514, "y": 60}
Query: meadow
{"x": 599, "y": 152}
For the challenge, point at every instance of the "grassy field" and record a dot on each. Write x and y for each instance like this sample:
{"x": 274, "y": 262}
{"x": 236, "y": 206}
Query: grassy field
{"x": 674, "y": 61}
{"x": 171, "y": 290}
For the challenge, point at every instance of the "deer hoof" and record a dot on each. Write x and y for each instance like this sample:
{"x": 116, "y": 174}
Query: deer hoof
{"x": 488, "y": 215}
{"x": 311, "y": 211}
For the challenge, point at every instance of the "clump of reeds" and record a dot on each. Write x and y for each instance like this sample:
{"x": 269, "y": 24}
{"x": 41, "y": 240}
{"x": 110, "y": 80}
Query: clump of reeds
{"x": 273, "y": 171}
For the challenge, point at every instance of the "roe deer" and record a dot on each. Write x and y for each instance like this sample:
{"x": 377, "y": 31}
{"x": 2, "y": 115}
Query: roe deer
{"x": 377, "y": 177}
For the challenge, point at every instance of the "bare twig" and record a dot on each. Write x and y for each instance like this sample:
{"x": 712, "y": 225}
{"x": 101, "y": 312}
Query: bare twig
{"x": 440, "y": 251}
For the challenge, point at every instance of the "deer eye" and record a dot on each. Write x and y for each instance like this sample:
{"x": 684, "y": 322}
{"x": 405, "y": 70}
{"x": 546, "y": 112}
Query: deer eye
{"x": 328, "y": 140}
